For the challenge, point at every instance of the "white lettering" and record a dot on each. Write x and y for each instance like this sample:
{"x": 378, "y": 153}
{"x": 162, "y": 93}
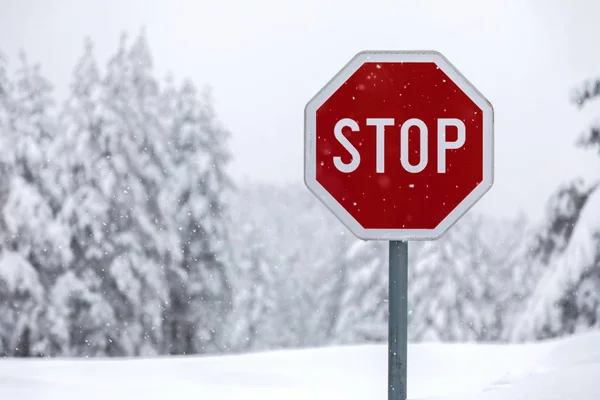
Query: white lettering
{"x": 355, "y": 161}
{"x": 444, "y": 145}
{"x": 422, "y": 145}
{"x": 380, "y": 124}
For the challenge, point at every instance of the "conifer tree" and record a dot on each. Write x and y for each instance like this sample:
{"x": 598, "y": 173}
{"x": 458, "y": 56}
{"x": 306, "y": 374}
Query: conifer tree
{"x": 567, "y": 249}
{"x": 200, "y": 295}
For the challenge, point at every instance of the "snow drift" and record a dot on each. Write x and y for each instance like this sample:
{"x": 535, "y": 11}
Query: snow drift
{"x": 560, "y": 369}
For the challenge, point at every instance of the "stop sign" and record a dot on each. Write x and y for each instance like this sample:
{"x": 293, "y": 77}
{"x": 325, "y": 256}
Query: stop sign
{"x": 399, "y": 145}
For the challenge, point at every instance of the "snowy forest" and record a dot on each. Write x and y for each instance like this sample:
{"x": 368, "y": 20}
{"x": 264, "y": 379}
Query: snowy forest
{"x": 122, "y": 234}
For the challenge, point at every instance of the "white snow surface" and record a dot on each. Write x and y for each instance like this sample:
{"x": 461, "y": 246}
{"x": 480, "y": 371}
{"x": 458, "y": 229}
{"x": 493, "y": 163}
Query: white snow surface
{"x": 560, "y": 369}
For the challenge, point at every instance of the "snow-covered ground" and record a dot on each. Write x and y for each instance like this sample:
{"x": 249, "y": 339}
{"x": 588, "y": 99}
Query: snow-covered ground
{"x": 567, "y": 369}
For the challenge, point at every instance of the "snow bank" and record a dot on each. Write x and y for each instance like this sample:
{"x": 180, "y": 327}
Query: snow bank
{"x": 562, "y": 369}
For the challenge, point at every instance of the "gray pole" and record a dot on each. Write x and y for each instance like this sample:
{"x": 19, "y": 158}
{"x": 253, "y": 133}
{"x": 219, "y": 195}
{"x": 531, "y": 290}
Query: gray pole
{"x": 398, "y": 320}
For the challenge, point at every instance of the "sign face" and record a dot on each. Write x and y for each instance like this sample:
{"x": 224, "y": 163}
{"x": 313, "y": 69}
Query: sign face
{"x": 399, "y": 145}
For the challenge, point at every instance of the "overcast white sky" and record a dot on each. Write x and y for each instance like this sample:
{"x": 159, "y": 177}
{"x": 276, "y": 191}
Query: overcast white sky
{"x": 265, "y": 59}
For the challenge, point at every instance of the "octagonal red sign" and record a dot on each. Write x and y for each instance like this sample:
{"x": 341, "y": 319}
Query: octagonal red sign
{"x": 399, "y": 145}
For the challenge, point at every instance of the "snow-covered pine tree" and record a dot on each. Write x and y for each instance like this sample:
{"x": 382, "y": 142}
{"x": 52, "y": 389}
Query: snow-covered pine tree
{"x": 134, "y": 144}
{"x": 33, "y": 243}
{"x": 363, "y": 312}
{"x": 20, "y": 288}
{"x": 462, "y": 287}
{"x": 562, "y": 213}
{"x": 73, "y": 324}
{"x": 254, "y": 276}
{"x": 256, "y": 232}
{"x": 567, "y": 248}
{"x": 251, "y": 301}
{"x": 44, "y": 239}
{"x": 36, "y": 129}
{"x": 330, "y": 284}
{"x": 313, "y": 268}
{"x": 299, "y": 288}
{"x": 565, "y": 300}
{"x": 509, "y": 250}
{"x": 113, "y": 162}
{"x": 21, "y": 297}
{"x": 200, "y": 296}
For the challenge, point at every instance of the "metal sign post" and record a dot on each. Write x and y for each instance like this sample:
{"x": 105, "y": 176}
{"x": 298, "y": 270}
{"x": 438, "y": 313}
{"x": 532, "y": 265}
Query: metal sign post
{"x": 398, "y": 320}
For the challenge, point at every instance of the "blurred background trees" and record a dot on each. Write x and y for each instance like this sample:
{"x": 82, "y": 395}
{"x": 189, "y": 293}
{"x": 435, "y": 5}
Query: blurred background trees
{"x": 122, "y": 234}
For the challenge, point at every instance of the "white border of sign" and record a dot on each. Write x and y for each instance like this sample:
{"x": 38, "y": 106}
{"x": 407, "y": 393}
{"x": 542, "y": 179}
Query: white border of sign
{"x": 310, "y": 144}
